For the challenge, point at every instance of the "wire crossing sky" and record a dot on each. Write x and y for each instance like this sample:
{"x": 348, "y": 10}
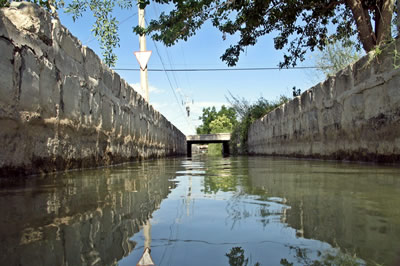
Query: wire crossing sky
{"x": 217, "y": 69}
{"x": 191, "y": 74}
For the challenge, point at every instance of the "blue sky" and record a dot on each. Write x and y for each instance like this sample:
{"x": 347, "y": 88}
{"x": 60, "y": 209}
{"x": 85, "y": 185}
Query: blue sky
{"x": 203, "y": 50}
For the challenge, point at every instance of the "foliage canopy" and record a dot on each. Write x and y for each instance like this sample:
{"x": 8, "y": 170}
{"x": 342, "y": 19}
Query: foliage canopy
{"x": 213, "y": 121}
{"x": 221, "y": 124}
{"x": 298, "y": 26}
{"x": 105, "y": 27}
{"x": 216, "y": 122}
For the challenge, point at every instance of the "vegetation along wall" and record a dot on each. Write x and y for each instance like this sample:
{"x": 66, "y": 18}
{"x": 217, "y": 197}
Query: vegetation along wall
{"x": 62, "y": 108}
{"x": 354, "y": 115}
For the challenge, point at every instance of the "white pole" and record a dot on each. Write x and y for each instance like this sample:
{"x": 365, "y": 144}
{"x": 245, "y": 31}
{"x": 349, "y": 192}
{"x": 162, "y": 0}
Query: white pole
{"x": 142, "y": 47}
{"x": 147, "y": 234}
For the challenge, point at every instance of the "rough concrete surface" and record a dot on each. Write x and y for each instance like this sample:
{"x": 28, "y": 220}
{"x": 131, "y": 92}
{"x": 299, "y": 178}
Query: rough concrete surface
{"x": 354, "y": 115}
{"x": 62, "y": 108}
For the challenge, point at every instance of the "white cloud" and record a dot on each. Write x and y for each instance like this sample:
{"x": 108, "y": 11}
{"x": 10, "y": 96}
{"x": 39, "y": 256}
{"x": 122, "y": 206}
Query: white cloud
{"x": 152, "y": 89}
{"x": 176, "y": 113}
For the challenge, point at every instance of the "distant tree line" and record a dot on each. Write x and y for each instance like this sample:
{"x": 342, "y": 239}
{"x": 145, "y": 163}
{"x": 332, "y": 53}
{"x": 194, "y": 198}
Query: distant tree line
{"x": 236, "y": 119}
{"x": 217, "y": 122}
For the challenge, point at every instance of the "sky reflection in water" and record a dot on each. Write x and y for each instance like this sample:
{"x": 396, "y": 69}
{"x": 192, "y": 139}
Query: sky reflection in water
{"x": 205, "y": 211}
{"x": 265, "y": 211}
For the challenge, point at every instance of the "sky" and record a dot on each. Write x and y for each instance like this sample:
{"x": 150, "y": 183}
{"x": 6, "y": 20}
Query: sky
{"x": 170, "y": 92}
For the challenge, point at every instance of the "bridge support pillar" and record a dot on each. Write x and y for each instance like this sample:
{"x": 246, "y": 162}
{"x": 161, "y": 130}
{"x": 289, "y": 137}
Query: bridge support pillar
{"x": 225, "y": 148}
{"x": 189, "y": 149}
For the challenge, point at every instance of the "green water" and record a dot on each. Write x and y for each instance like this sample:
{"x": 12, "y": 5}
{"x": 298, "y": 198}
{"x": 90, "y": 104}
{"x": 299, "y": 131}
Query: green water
{"x": 205, "y": 211}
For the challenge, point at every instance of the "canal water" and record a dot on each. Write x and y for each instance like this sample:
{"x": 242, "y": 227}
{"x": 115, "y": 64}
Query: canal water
{"x": 241, "y": 211}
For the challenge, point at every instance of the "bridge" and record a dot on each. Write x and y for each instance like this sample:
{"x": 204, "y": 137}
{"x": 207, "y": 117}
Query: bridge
{"x": 223, "y": 138}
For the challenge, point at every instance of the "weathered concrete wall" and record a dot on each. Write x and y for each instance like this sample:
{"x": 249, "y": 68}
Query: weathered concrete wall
{"x": 62, "y": 108}
{"x": 354, "y": 115}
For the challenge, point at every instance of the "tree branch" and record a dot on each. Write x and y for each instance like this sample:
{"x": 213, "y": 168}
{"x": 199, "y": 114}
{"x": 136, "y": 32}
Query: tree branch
{"x": 384, "y": 21}
{"x": 363, "y": 22}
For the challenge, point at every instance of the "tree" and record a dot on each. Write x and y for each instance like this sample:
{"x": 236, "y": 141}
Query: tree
{"x": 247, "y": 114}
{"x": 300, "y": 25}
{"x": 335, "y": 57}
{"x": 221, "y": 124}
{"x": 105, "y": 27}
{"x": 210, "y": 114}
{"x": 217, "y": 122}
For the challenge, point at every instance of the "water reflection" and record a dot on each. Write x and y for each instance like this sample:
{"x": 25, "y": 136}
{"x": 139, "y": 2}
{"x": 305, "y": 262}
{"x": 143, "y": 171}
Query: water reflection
{"x": 80, "y": 218}
{"x": 354, "y": 207}
{"x": 206, "y": 211}
{"x": 279, "y": 212}
{"x": 237, "y": 257}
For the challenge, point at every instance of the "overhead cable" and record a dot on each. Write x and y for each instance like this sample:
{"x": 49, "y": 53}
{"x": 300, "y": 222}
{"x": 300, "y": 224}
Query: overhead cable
{"x": 218, "y": 69}
{"x": 169, "y": 81}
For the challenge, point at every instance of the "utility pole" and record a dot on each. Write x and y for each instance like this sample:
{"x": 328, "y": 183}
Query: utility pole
{"x": 144, "y": 84}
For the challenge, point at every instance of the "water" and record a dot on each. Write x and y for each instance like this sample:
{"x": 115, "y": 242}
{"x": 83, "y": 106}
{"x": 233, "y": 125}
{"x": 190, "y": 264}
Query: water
{"x": 205, "y": 211}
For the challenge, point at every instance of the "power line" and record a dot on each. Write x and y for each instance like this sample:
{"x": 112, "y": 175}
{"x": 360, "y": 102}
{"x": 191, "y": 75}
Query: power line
{"x": 174, "y": 77}
{"x": 168, "y": 57}
{"x": 169, "y": 81}
{"x": 219, "y": 69}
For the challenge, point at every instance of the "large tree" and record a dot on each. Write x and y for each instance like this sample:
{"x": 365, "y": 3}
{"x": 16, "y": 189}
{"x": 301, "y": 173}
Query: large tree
{"x": 298, "y": 26}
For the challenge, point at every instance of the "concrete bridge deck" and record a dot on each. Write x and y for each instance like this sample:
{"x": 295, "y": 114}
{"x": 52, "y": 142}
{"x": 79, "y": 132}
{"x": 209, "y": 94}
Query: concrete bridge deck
{"x": 223, "y": 138}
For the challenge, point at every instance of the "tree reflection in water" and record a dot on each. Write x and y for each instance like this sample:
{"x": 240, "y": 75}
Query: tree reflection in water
{"x": 236, "y": 257}
{"x": 327, "y": 258}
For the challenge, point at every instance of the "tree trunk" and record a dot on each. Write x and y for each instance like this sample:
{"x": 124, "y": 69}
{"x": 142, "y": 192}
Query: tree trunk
{"x": 363, "y": 23}
{"x": 383, "y": 28}
{"x": 398, "y": 18}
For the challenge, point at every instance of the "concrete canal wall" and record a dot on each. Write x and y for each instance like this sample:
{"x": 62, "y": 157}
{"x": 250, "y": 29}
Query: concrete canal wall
{"x": 62, "y": 108}
{"x": 354, "y": 115}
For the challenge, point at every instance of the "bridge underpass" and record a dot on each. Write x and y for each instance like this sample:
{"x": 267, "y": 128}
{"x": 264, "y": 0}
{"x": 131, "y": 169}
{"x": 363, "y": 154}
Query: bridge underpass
{"x": 223, "y": 138}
